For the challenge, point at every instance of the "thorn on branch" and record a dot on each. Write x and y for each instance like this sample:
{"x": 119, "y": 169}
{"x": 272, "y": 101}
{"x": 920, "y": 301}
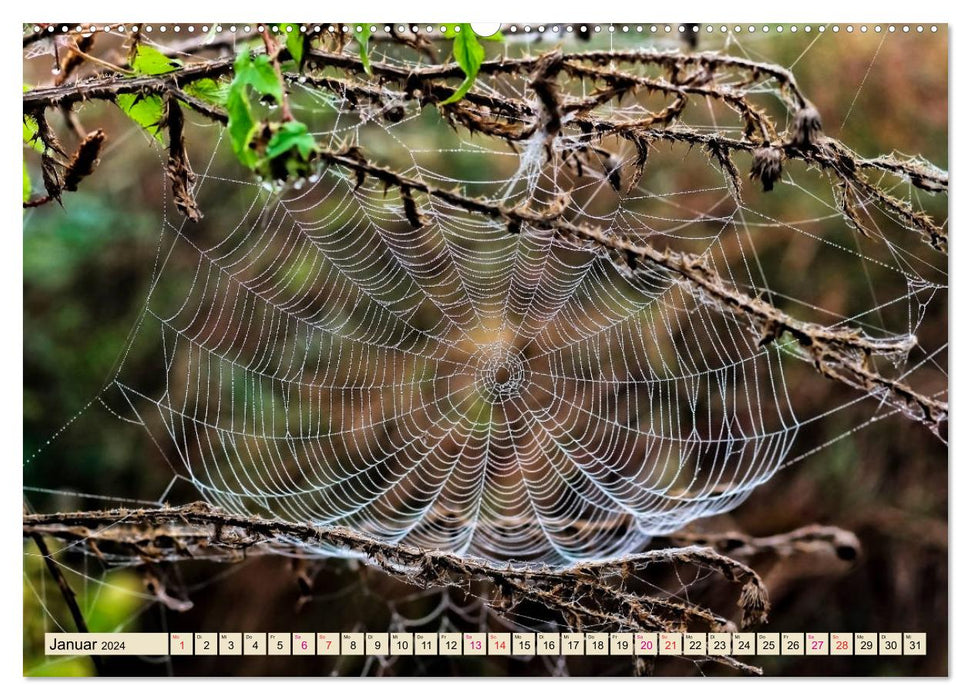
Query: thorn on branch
{"x": 771, "y": 331}
{"x": 732, "y": 177}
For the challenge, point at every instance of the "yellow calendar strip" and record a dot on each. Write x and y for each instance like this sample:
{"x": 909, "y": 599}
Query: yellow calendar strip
{"x": 507, "y": 644}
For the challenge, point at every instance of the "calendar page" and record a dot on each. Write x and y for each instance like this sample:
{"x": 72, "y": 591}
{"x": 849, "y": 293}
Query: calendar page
{"x": 471, "y": 350}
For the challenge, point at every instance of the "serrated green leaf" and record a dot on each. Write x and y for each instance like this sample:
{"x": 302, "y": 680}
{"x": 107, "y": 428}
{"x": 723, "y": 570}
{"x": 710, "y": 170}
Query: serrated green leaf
{"x": 30, "y": 134}
{"x": 144, "y": 110}
{"x": 291, "y": 135}
{"x": 241, "y": 126}
{"x": 27, "y": 189}
{"x": 469, "y": 54}
{"x": 295, "y": 45}
{"x": 362, "y": 37}
{"x": 150, "y": 61}
{"x": 258, "y": 73}
{"x": 208, "y": 90}
{"x": 30, "y": 130}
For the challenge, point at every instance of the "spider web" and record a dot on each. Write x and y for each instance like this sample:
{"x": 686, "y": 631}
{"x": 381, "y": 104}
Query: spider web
{"x": 340, "y": 352}
{"x": 456, "y": 386}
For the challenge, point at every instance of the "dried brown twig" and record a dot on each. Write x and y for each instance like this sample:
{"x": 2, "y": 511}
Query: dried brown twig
{"x": 828, "y": 539}
{"x": 591, "y": 595}
{"x": 178, "y": 168}
{"x": 586, "y": 595}
{"x": 67, "y": 176}
{"x": 426, "y": 83}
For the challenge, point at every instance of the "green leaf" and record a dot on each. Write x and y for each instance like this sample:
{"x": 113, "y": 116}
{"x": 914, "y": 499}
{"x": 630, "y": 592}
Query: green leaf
{"x": 144, "y": 110}
{"x": 362, "y": 38}
{"x": 295, "y": 41}
{"x": 469, "y": 54}
{"x": 241, "y": 126}
{"x": 150, "y": 61}
{"x": 30, "y": 130}
{"x": 270, "y": 148}
{"x": 208, "y": 90}
{"x": 30, "y": 134}
{"x": 147, "y": 110}
{"x": 291, "y": 135}
{"x": 257, "y": 72}
{"x": 460, "y": 91}
{"x": 26, "y": 183}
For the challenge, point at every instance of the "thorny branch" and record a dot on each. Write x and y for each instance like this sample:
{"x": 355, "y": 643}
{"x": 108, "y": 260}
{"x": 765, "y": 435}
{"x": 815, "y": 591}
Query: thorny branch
{"x": 423, "y": 82}
{"x": 841, "y": 543}
{"x": 842, "y": 354}
{"x": 178, "y": 168}
{"x": 587, "y": 595}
